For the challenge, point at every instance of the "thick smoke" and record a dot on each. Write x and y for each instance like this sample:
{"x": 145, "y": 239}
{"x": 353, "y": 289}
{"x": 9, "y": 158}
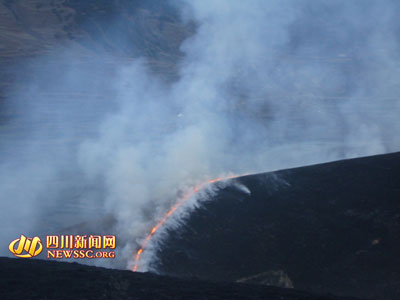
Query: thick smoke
{"x": 263, "y": 85}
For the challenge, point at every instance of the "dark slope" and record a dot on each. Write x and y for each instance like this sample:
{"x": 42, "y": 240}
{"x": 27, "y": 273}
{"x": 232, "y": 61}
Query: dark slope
{"x": 37, "y": 279}
{"x": 333, "y": 227}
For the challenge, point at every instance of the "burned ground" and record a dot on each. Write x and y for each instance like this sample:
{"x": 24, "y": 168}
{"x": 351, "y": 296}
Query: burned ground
{"x": 37, "y": 279}
{"x": 329, "y": 228}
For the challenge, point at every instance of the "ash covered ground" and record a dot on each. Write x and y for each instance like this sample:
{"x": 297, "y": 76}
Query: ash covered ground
{"x": 36, "y": 279}
{"x": 329, "y": 228}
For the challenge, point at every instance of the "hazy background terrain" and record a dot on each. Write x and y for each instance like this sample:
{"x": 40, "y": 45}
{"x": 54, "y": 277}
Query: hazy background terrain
{"x": 114, "y": 108}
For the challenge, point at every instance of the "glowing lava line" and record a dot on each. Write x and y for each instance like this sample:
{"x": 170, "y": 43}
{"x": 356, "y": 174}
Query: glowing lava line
{"x": 160, "y": 223}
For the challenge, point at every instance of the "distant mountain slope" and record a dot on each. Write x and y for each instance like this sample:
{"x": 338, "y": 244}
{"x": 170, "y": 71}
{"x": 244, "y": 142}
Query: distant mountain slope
{"x": 31, "y": 27}
{"x": 124, "y": 29}
{"x": 328, "y": 228}
{"x": 37, "y": 279}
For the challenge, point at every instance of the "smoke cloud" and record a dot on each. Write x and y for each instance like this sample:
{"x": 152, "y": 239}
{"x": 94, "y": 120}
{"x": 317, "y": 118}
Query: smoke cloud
{"x": 262, "y": 85}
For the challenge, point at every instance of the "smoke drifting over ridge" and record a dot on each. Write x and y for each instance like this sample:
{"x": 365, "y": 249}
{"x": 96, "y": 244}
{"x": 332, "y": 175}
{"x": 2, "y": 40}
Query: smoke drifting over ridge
{"x": 262, "y": 86}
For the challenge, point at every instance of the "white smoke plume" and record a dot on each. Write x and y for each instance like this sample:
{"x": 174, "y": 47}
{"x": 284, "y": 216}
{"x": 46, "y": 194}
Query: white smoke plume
{"x": 262, "y": 85}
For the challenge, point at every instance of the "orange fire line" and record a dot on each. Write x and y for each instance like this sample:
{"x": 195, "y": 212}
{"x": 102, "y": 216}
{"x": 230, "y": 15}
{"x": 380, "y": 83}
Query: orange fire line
{"x": 169, "y": 214}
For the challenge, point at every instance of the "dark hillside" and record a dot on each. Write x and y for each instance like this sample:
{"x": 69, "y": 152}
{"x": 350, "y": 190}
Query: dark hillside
{"x": 37, "y": 279}
{"x": 333, "y": 227}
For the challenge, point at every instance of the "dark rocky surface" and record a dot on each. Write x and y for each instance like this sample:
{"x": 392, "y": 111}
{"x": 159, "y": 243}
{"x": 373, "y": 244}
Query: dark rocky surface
{"x": 37, "y": 279}
{"x": 328, "y": 228}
